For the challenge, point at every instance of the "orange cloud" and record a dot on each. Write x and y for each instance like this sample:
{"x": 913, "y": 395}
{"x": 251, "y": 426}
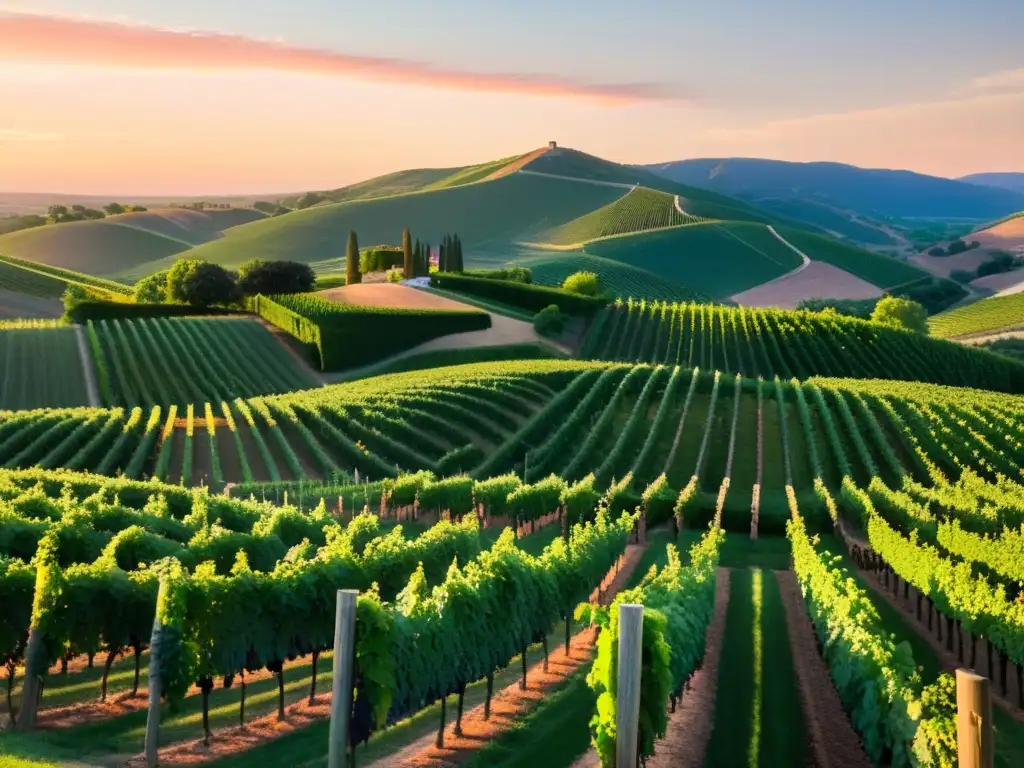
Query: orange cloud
{"x": 59, "y": 39}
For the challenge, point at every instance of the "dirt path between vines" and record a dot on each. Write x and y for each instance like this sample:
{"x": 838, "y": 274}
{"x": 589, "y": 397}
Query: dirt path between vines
{"x": 88, "y": 372}
{"x": 948, "y": 659}
{"x": 506, "y": 707}
{"x": 832, "y": 740}
{"x": 689, "y": 728}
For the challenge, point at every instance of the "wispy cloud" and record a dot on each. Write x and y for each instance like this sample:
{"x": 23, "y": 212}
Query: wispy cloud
{"x": 62, "y": 39}
{"x": 1007, "y": 80}
{"x": 16, "y": 136}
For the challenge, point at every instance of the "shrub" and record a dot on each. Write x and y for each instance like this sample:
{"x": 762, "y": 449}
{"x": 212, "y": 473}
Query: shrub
{"x": 584, "y": 283}
{"x": 118, "y": 310}
{"x": 861, "y": 308}
{"x": 395, "y": 275}
{"x": 938, "y": 250}
{"x": 380, "y": 258}
{"x": 200, "y": 283}
{"x": 961, "y": 276}
{"x": 549, "y": 321}
{"x": 262, "y": 276}
{"x": 512, "y": 274}
{"x": 531, "y": 297}
{"x": 901, "y": 313}
{"x": 152, "y": 289}
{"x": 955, "y": 247}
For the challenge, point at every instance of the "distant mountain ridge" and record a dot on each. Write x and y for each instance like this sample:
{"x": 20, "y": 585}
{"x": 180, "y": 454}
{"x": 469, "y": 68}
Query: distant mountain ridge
{"x": 1012, "y": 181}
{"x": 875, "y": 193}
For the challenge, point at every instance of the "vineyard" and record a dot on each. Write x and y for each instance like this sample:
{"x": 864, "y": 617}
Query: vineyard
{"x": 998, "y": 313}
{"x": 640, "y": 210}
{"x": 769, "y": 343}
{"x": 176, "y": 361}
{"x": 617, "y": 279}
{"x": 923, "y": 481}
{"x": 718, "y": 536}
{"x": 39, "y": 279}
{"x": 694, "y": 255}
{"x": 883, "y": 271}
{"x": 40, "y": 367}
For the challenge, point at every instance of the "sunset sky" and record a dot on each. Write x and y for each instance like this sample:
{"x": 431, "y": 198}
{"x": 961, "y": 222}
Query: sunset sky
{"x": 247, "y": 96}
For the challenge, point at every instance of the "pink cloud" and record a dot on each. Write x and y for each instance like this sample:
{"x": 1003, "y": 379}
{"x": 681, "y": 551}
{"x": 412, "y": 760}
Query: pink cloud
{"x": 59, "y": 39}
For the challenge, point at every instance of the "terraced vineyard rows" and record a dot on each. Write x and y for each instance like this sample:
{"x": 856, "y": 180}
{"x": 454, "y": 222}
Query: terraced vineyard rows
{"x": 42, "y": 279}
{"x": 640, "y": 210}
{"x": 988, "y": 315}
{"x": 40, "y": 367}
{"x": 769, "y": 343}
{"x": 189, "y": 360}
{"x": 689, "y": 446}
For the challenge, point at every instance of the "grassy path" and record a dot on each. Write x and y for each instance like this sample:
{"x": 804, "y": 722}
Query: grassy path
{"x": 757, "y": 715}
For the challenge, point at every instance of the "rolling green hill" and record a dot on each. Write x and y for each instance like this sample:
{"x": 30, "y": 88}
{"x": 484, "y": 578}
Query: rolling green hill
{"x": 699, "y": 202}
{"x": 639, "y": 210}
{"x": 879, "y": 270}
{"x": 718, "y": 259}
{"x": 617, "y": 278}
{"x": 122, "y": 246}
{"x": 489, "y": 217}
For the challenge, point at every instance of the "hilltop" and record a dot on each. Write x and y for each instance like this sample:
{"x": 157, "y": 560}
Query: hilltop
{"x": 555, "y": 210}
{"x": 1011, "y": 181}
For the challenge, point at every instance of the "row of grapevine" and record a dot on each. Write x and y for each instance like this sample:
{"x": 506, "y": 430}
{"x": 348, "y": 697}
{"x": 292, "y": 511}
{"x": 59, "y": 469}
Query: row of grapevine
{"x": 878, "y": 683}
{"x": 188, "y": 360}
{"x": 788, "y": 344}
{"x": 678, "y": 603}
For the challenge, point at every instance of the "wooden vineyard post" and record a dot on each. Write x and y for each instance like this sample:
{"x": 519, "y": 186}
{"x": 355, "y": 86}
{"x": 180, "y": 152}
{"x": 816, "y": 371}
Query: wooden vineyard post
{"x": 155, "y": 689}
{"x": 974, "y": 734}
{"x": 341, "y": 686}
{"x": 627, "y": 713}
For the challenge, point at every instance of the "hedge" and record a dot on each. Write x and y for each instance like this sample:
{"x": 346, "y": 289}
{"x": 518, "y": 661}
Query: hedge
{"x": 531, "y": 297}
{"x": 119, "y": 310}
{"x": 380, "y": 259}
{"x": 349, "y": 335}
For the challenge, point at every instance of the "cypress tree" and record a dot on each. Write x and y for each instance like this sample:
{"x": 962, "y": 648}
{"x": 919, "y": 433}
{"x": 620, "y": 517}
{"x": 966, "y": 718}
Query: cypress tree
{"x": 425, "y": 261}
{"x": 352, "y": 274}
{"x": 407, "y": 253}
{"x": 442, "y": 256}
{"x": 459, "y": 266}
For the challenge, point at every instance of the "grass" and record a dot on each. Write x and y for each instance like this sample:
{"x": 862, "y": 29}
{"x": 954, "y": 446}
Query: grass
{"x": 445, "y": 357}
{"x": 700, "y": 202}
{"x": 988, "y": 315}
{"x": 712, "y": 258}
{"x": 96, "y": 247}
{"x": 553, "y": 735}
{"x": 492, "y": 213}
{"x": 640, "y": 210}
{"x": 40, "y": 368}
{"x": 617, "y": 278}
{"x": 495, "y": 307}
{"x": 883, "y": 271}
{"x": 758, "y": 718}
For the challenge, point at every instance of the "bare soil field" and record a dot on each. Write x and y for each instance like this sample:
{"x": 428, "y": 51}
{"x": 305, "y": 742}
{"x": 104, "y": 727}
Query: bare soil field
{"x": 942, "y": 266}
{"x": 816, "y": 281}
{"x": 1008, "y": 236}
{"x": 520, "y": 163}
{"x": 14, "y": 305}
{"x": 390, "y": 295}
{"x": 1003, "y": 282}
